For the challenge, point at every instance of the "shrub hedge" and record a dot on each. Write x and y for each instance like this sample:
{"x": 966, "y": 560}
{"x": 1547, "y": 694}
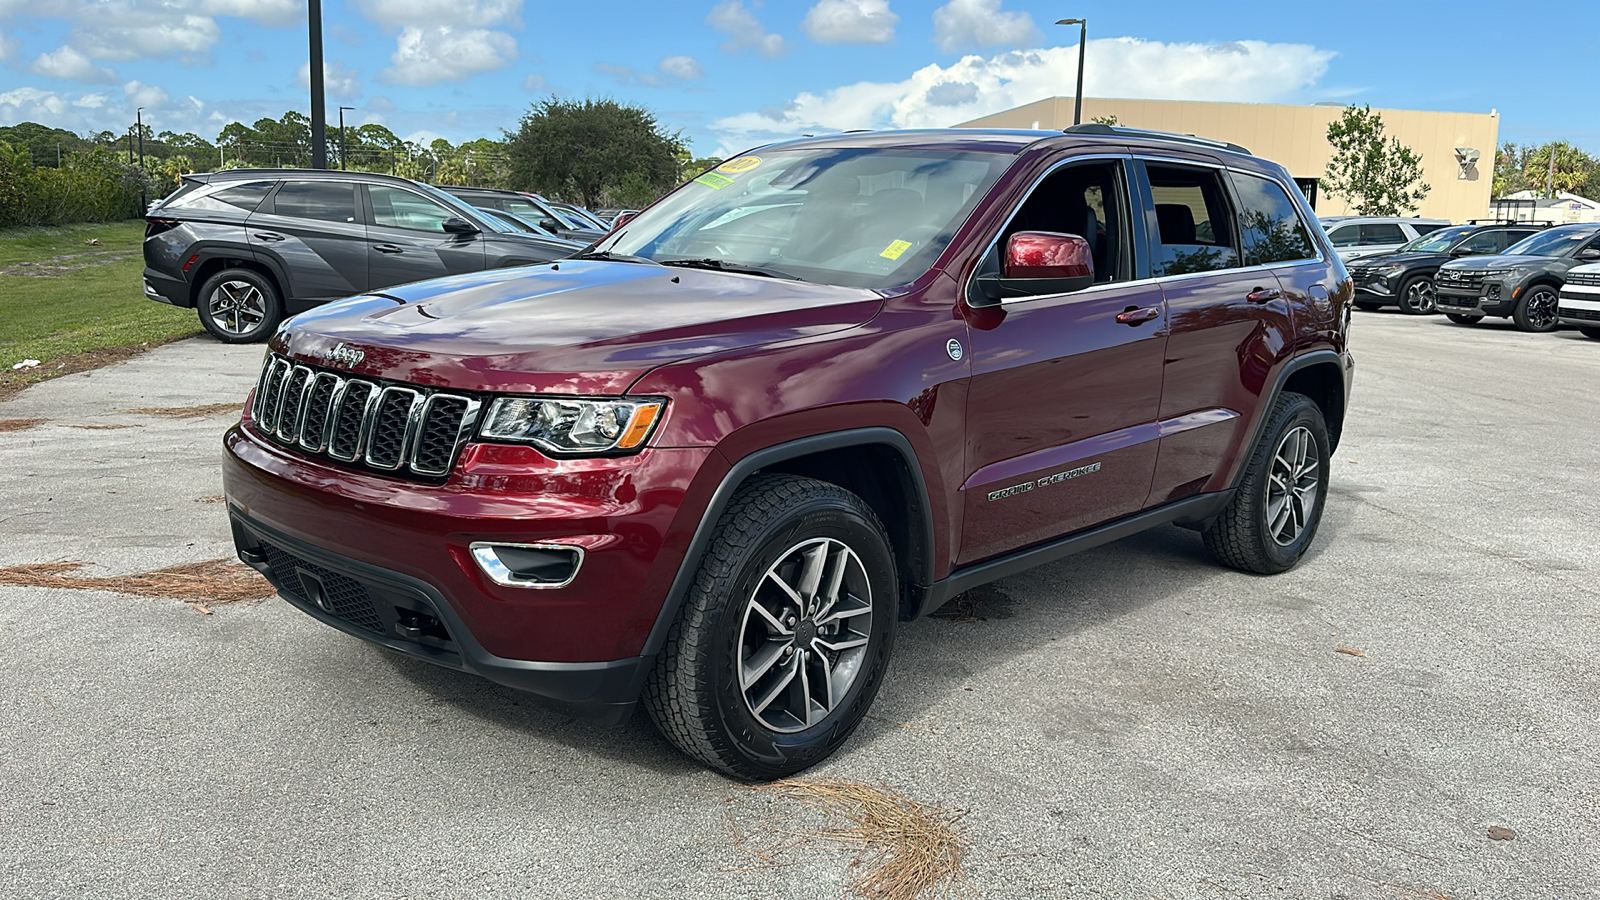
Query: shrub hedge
{"x": 91, "y": 186}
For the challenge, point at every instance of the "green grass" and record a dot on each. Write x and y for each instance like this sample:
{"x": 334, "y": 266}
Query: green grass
{"x": 72, "y": 305}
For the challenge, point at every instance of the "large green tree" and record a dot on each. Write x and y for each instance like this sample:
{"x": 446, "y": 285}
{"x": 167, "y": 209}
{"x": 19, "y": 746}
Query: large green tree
{"x": 592, "y": 151}
{"x": 1377, "y": 176}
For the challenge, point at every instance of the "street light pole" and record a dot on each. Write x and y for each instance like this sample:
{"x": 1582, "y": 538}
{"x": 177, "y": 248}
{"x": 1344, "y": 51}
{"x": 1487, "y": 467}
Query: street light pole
{"x": 1083, "y": 39}
{"x": 139, "y": 120}
{"x": 319, "y": 116}
{"x": 341, "y": 135}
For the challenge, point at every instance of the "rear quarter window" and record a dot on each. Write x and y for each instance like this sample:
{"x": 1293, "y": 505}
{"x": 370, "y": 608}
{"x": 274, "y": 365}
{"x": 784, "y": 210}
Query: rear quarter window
{"x": 1269, "y": 223}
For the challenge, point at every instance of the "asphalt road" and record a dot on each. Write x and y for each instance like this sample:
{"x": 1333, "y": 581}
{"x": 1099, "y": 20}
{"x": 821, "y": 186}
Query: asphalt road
{"x": 1132, "y": 722}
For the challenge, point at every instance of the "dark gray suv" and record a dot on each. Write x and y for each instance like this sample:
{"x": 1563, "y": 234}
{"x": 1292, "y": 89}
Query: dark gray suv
{"x": 250, "y": 246}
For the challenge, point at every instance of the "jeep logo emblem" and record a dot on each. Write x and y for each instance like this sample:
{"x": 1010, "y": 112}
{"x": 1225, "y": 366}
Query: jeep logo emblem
{"x": 344, "y": 355}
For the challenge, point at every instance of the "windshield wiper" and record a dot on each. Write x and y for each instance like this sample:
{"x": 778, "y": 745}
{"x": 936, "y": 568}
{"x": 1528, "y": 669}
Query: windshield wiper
{"x": 725, "y": 266}
{"x": 608, "y": 256}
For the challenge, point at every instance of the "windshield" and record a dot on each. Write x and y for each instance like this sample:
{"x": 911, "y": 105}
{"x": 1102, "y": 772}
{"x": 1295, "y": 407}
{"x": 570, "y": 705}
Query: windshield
{"x": 858, "y": 217}
{"x": 1555, "y": 242}
{"x": 1439, "y": 241}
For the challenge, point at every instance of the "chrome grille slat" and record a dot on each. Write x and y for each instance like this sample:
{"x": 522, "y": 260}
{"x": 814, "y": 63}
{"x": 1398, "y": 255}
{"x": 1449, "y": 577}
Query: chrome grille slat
{"x": 394, "y": 428}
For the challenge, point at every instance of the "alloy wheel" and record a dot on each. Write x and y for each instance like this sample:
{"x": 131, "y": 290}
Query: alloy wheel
{"x": 1421, "y": 295}
{"x": 1292, "y": 485}
{"x": 804, "y": 637}
{"x": 1543, "y": 309}
{"x": 237, "y": 307}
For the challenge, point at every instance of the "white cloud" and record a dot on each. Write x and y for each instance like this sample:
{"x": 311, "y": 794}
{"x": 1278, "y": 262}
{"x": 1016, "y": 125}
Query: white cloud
{"x": 965, "y": 24}
{"x": 461, "y": 13}
{"x": 534, "y": 83}
{"x": 66, "y": 62}
{"x": 940, "y": 96}
{"x": 121, "y": 30}
{"x": 380, "y": 104}
{"x": 141, "y": 94}
{"x": 336, "y": 79}
{"x": 744, "y": 30}
{"x": 31, "y": 104}
{"x": 851, "y": 22}
{"x": 268, "y": 12}
{"x": 683, "y": 68}
{"x": 7, "y": 46}
{"x": 424, "y": 56}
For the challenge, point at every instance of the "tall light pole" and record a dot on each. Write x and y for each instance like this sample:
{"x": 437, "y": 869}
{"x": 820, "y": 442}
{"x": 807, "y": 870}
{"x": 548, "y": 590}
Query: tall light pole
{"x": 319, "y": 116}
{"x": 139, "y": 120}
{"x": 341, "y": 135}
{"x": 1083, "y": 38}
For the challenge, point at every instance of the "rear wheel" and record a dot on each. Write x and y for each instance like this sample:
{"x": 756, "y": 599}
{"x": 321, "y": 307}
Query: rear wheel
{"x": 1539, "y": 310}
{"x": 1274, "y": 515}
{"x": 1462, "y": 319}
{"x": 784, "y": 637}
{"x": 240, "y": 306}
{"x": 1418, "y": 297}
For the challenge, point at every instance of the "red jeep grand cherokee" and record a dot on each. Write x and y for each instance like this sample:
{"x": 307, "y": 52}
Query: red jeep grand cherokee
{"x": 714, "y": 460}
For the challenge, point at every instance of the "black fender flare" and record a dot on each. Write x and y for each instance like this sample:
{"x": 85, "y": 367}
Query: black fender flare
{"x": 767, "y": 456}
{"x": 246, "y": 254}
{"x": 1295, "y": 364}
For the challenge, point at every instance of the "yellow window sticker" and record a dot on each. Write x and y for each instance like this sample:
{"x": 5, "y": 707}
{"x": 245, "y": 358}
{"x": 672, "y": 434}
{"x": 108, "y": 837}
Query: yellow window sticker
{"x": 714, "y": 181}
{"x": 742, "y": 164}
{"x": 894, "y": 250}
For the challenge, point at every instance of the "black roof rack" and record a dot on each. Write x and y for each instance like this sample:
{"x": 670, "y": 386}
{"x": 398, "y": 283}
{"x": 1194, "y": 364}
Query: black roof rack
{"x": 1115, "y": 130}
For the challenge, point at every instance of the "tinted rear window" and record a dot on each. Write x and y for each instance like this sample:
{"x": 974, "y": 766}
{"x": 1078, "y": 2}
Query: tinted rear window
{"x": 1271, "y": 226}
{"x": 321, "y": 200}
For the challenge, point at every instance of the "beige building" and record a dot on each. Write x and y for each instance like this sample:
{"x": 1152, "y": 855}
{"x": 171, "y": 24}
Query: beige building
{"x": 1296, "y": 138}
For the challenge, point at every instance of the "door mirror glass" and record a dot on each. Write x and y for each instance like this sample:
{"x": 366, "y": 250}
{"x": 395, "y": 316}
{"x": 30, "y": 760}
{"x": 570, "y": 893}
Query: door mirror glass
{"x": 458, "y": 225}
{"x": 1590, "y": 253}
{"x": 549, "y": 224}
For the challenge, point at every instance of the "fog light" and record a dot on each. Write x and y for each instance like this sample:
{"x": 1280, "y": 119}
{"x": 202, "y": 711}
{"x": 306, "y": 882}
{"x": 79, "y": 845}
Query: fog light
{"x": 1494, "y": 292}
{"x": 528, "y": 565}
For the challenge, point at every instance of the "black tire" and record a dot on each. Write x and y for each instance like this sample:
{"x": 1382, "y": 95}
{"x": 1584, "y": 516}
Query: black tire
{"x": 696, "y": 694}
{"x": 1591, "y": 333}
{"x": 1538, "y": 310}
{"x": 1243, "y": 536}
{"x": 239, "y": 306}
{"x": 1461, "y": 319}
{"x": 1418, "y": 297}
{"x": 1368, "y": 305}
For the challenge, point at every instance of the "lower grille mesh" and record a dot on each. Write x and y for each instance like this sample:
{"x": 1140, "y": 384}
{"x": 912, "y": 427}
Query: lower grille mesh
{"x": 338, "y": 595}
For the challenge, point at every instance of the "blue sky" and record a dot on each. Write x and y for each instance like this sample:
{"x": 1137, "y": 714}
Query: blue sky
{"x": 735, "y": 73}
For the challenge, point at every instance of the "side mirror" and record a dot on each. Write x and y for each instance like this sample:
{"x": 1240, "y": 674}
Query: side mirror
{"x": 1040, "y": 262}
{"x": 1591, "y": 253}
{"x": 458, "y": 225}
{"x": 549, "y": 224}
{"x": 1463, "y": 251}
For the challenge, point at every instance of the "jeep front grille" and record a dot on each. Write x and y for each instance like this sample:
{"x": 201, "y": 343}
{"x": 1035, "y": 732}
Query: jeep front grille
{"x": 404, "y": 429}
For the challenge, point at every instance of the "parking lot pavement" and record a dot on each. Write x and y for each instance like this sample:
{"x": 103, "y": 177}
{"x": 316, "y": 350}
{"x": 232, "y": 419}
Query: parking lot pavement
{"x": 1133, "y": 721}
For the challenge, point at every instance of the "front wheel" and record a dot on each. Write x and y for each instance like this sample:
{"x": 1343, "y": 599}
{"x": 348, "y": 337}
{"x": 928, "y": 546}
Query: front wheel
{"x": 240, "y": 306}
{"x": 1272, "y": 518}
{"x": 785, "y": 634}
{"x": 1539, "y": 310}
{"x": 1461, "y": 319}
{"x": 1417, "y": 296}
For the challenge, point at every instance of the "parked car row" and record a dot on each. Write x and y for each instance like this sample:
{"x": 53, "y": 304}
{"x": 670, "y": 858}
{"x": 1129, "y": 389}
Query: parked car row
{"x": 248, "y": 247}
{"x": 1539, "y": 277}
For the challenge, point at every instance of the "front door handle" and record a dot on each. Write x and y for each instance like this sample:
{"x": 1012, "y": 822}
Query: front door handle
{"x": 268, "y": 236}
{"x": 1135, "y": 316}
{"x": 1263, "y": 295}
{"x": 388, "y": 248}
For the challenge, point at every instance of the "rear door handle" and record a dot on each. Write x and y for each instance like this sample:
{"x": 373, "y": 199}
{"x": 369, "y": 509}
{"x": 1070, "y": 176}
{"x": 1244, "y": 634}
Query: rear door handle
{"x": 1137, "y": 316}
{"x": 268, "y": 236}
{"x": 388, "y": 248}
{"x": 1263, "y": 295}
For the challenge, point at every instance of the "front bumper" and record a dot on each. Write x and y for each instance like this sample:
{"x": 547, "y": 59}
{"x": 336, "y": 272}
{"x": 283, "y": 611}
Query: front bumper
{"x": 1580, "y": 308}
{"x": 632, "y": 516}
{"x": 410, "y": 616}
{"x": 1492, "y": 298}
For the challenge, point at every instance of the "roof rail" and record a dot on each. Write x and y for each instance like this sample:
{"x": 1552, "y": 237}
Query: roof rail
{"x": 1097, "y": 128}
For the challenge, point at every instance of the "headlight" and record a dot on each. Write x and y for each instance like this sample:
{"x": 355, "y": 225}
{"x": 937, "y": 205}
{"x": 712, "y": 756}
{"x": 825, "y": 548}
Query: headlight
{"x": 1496, "y": 273}
{"x": 1388, "y": 270}
{"x": 572, "y": 426}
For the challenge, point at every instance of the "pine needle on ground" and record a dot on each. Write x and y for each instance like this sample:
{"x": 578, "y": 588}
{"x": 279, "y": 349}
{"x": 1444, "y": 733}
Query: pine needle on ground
{"x": 19, "y": 424}
{"x": 187, "y": 412}
{"x": 213, "y": 581}
{"x": 904, "y": 850}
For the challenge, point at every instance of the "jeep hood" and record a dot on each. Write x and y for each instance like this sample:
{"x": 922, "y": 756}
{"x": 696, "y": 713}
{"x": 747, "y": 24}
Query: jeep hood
{"x": 576, "y": 326}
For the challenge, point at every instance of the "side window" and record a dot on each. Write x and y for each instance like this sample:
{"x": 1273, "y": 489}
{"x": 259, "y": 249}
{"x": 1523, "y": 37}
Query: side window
{"x": 1482, "y": 242}
{"x": 1507, "y": 238}
{"x": 1089, "y": 200}
{"x": 1345, "y": 235}
{"x": 1193, "y": 219}
{"x": 327, "y": 201}
{"x": 236, "y": 199}
{"x": 1382, "y": 233}
{"x": 398, "y": 208}
{"x": 1269, "y": 223}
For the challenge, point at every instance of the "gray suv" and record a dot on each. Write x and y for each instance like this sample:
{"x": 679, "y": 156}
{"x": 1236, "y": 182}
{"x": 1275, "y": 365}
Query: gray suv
{"x": 250, "y": 246}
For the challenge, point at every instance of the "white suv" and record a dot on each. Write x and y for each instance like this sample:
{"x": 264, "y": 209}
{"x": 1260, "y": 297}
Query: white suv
{"x": 1580, "y": 300}
{"x": 1357, "y": 236}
